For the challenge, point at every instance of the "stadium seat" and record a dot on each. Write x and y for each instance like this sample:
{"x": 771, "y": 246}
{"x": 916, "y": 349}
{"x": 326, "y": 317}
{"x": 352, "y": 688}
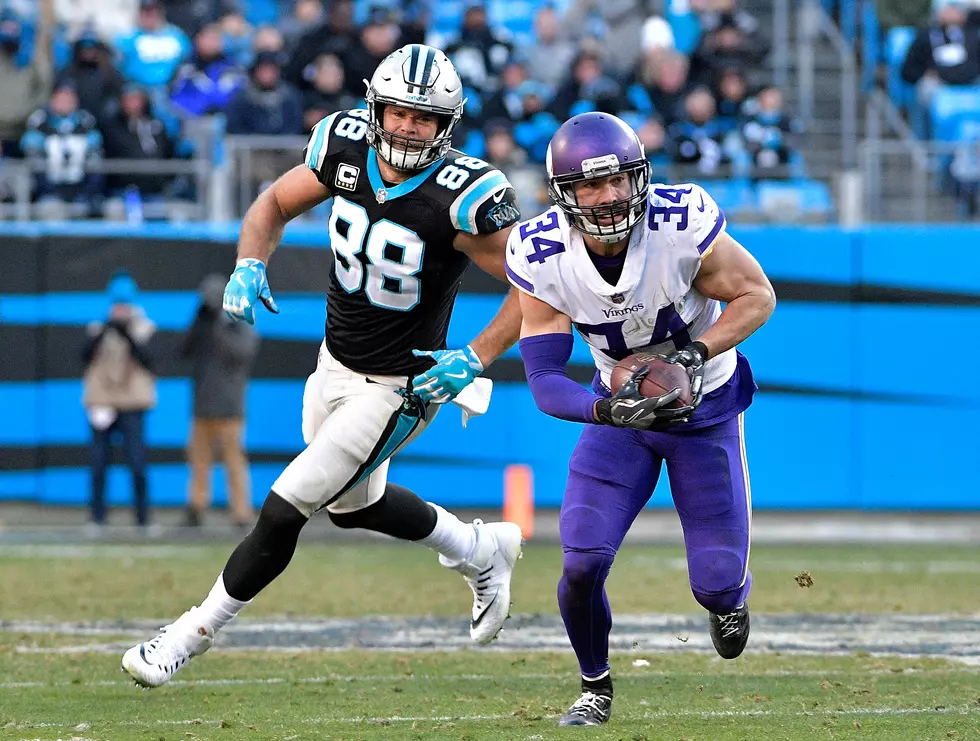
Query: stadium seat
{"x": 951, "y": 109}
{"x": 733, "y": 196}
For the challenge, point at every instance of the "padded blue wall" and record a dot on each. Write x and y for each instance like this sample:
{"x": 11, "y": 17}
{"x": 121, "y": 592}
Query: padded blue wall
{"x": 867, "y": 400}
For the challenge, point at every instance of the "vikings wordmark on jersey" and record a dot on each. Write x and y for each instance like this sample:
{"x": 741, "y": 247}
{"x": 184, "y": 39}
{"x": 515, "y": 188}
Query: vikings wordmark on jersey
{"x": 654, "y": 307}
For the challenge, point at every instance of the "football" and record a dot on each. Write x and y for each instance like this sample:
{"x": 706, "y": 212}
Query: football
{"x": 662, "y": 377}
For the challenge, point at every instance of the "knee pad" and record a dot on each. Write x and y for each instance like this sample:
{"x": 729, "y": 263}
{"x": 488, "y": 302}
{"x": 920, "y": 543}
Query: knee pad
{"x": 585, "y": 571}
{"x": 278, "y": 519}
{"x": 717, "y": 579}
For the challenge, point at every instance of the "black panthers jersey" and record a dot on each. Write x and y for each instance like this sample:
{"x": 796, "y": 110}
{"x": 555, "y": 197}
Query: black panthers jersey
{"x": 396, "y": 272}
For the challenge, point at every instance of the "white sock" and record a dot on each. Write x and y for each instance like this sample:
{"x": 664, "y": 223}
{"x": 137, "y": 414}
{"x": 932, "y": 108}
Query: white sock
{"x": 451, "y": 538}
{"x": 219, "y": 608}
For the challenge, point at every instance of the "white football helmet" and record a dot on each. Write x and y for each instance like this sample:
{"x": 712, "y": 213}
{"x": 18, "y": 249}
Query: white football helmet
{"x": 419, "y": 77}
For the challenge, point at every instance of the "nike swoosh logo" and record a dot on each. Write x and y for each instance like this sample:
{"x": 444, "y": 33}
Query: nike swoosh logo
{"x": 143, "y": 654}
{"x": 701, "y": 207}
{"x": 476, "y": 623}
{"x": 456, "y": 375}
{"x": 498, "y": 197}
{"x": 630, "y": 420}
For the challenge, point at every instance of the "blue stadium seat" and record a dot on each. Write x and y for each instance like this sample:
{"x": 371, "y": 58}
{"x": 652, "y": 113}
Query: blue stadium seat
{"x": 732, "y": 196}
{"x": 951, "y": 109}
{"x": 805, "y": 197}
{"x": 513, "y": 19}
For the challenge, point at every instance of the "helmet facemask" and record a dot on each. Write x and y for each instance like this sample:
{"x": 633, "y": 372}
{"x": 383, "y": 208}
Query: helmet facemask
{"x": 403, "y": 152}
{"x": 622, "y": 215}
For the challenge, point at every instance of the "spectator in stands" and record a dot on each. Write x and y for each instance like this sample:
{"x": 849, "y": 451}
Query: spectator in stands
{"x": 538, "y": 124}
{"x": 506, "y": 103}
{"x": 657, "y": 37}
{"x": 268, "y": 38}
{"x": 119, "y": 388}
{"x": 106, "y": 18}
{"x": 208, "y": 82}
{"x": 416, "y": 15}
{"x": 191, "y": 15}
{"x": 731, "y": 93}
{"x": 478, "y": 55}
{"x": 335, "y": 35}
{"x": 897, "y": 13}
{"x": 22, "y": 89}
{"x": 551, "y": 55}
{"x": 653, "y": 135}
{"x": 947, "y": 52}
{"x": 727, "y": 44}
{"x": 661, "y": 87}
{"x": 327, "y": 94}
{"x": 623, "y": 22}
{"x": 770, "y": 133}
{"x": 266, "y": 105}
{"x": 698, "y": 139}
{"x": 151, "y": 54}
{"x": 65, "y": 140}
{"x": 132, "y": 133}
{"x": 378, "y": 39}
{"x": 92, "y": 74}
{"x": 504, "y": 154}
{"x": 238, "y": 36}
{"x": 221, "y": 352}
{"x": 718, "y": 13}
{"x": 306, "y": 14}
{"x": 590, "y": 88}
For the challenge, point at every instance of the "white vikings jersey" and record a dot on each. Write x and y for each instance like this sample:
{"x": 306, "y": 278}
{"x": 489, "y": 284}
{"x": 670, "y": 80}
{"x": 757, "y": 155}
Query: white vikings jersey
{"x": 654, "y": 307}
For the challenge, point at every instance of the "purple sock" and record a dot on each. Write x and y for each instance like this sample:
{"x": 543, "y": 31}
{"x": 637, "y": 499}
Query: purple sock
{"x": 585, "y": 609}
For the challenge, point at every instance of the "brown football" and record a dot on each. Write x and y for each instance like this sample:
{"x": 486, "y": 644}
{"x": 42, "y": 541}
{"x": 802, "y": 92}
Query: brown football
{"x": 662, "y": 377}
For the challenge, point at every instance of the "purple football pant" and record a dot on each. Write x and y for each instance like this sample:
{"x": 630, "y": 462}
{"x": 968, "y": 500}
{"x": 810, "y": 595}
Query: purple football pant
{"x": 612, "y": 475}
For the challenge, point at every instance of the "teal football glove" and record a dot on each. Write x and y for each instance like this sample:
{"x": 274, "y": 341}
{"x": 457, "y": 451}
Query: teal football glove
{"x": 246, "y": 287}
{"x": 454, "y": 370}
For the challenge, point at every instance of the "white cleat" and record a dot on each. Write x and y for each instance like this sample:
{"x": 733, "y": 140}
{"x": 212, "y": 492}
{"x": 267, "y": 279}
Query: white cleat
{"x": 155, "y": 662}
{"x": 488, "y": 572}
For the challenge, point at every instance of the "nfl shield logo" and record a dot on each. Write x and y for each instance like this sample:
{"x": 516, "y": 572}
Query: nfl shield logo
{"x": 617, "y": 298}
{"x": 381, "y": 195}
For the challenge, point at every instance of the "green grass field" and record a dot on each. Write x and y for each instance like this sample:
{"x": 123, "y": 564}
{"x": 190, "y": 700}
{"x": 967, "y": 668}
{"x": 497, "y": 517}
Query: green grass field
{"x": 58, "y": 681}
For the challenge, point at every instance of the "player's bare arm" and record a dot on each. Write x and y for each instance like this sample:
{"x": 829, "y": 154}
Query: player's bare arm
{"x": 488, "y": 251}
{"x": 541, "y": 318}
{"x": 293, "y": 194}
{"x": 729, "y": 273}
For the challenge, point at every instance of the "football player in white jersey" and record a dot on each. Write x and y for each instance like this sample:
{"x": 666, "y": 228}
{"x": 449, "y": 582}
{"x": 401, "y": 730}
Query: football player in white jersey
{"x": 409, "y": 215}
{"x": 635, "y": 267}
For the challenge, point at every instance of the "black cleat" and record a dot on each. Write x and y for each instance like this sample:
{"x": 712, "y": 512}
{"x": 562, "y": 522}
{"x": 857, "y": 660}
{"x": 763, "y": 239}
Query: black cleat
{"x": 590, "y": 709}
{"x": 730, "y": 632}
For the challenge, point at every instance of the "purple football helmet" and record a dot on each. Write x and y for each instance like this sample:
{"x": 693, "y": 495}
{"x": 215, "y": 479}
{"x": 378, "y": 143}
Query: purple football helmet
{"x": 591, "y": 146}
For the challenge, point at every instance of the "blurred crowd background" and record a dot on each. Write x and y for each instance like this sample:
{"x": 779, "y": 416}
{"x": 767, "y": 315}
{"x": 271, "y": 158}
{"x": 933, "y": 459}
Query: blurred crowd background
{"x": 155, "y": 80}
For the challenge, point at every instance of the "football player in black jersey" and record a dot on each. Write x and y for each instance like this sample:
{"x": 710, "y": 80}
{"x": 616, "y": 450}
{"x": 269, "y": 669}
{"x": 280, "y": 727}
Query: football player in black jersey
{"x": 409, "y": 214}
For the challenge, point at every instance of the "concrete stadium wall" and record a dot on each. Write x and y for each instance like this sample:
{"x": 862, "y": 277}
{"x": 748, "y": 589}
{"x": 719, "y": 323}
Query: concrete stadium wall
{"x": 866, "y": 398}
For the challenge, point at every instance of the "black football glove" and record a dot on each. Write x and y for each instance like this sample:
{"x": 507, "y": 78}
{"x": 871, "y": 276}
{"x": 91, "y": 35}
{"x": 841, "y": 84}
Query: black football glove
{"x": 628, "y": 408}
{"x": 692, "y": 357}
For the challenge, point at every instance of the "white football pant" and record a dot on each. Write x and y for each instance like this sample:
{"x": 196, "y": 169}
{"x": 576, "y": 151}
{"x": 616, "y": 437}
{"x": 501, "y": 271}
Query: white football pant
{"x": 352, "y": 425}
